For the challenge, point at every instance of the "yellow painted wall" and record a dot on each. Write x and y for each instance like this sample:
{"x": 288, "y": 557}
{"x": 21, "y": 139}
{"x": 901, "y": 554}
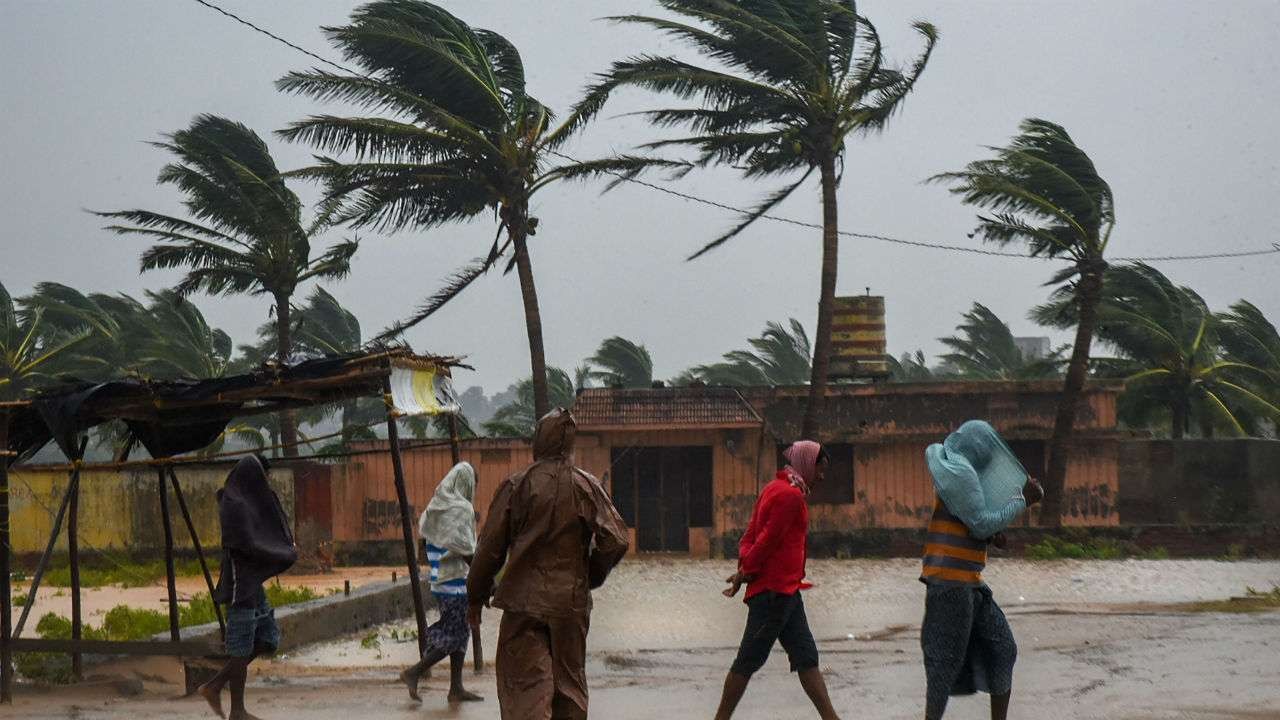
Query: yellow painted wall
{"x": 120, "y": 510}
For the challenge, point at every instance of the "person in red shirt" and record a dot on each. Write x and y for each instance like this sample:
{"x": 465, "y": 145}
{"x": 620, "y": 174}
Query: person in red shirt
{"x": 771, "y": 561}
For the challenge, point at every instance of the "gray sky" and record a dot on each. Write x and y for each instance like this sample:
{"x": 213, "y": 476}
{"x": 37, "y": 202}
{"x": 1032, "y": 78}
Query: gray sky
{"x": 1175, "y": 101}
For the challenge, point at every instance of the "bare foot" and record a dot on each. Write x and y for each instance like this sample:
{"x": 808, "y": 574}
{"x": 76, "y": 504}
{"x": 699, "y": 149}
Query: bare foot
{"x": 213, "y": 697}
{"x": 410, "y": 678}
{"x": 464, "y": 696}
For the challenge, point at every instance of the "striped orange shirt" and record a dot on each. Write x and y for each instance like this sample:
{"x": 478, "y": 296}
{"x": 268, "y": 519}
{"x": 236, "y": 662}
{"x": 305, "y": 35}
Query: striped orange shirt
{"x": 951, "y": 555}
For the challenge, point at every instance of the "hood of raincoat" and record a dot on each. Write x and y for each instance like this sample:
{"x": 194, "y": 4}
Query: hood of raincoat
{"x": 255, "y": 530}
{"x": 554, "y": 436}
{"x": 449, "y": 521}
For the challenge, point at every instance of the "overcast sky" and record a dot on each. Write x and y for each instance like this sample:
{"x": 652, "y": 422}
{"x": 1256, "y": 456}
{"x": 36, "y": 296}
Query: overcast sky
{"x": 1175, "y": 101}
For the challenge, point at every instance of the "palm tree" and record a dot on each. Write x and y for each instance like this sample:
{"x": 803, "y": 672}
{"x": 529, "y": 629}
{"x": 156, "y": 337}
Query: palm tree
{"x": 1043, "y": 190}
{"x": 324, "y": 327}
{"x": 799, "y": 77}
{"x": 911, "y": 367}
{"x": 30, "y": 356}
{"x": 179, "y": 342}
{"x": 457, "y": 135}
{"x": 983, "y": 348}
{"x": 518, "y": 418}
{"x": 117, "y": 326}
{"x": 1167, "y": 346}
{"x": 780, "y": 356}
{"x": 245, "y": 233}
{"x": 621, "y": 363}
{"x": 1248, "y": 337}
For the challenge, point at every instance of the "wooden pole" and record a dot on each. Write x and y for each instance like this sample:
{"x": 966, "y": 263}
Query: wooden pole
{"x": 406, "y": 522}
{"x": 47, "y": 557}
{"x": 455, "y": 446}
{"x": 170, "y": 578}
{"x": 6, "y": 587}
{"x": 73, "y": 555}
{"x": 195, "y": 543}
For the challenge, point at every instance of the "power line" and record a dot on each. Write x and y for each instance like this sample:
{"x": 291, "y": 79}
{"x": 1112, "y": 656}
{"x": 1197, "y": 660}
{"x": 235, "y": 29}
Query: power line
{"x": 1273, "y": 250}
{"x": 272, "y": 35}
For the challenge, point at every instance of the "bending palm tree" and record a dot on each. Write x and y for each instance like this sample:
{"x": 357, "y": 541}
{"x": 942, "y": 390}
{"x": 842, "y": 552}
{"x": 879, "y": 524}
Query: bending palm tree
{"x": 802, "y": 75}
{"x": 1167, "y": 342}
{"x": 983, "y": 348}
{"x": 780, "y": 356}
{"x": 245, "y": 234}
{"x": 180, "y": 343}
{"x": 621, "y": 363}
{"x": 518, "y": 418}
{"x": 1248, "y": 337}
{"x": 911, "y": 367}
{"x": 30, "y": 356}
{"x": 1044, "y": 191}
{"x": 458, "y": 136}
{"x": 117, "y": 325}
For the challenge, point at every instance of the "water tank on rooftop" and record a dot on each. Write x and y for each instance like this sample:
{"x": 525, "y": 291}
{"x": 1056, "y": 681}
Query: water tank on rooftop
{"x": 857, "y": 339}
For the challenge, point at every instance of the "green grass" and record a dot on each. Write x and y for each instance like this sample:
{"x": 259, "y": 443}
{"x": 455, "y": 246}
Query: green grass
{"x": 124, "y": 622}
{"x": 123, "y": 574}
{"x": 1056, "y": 548}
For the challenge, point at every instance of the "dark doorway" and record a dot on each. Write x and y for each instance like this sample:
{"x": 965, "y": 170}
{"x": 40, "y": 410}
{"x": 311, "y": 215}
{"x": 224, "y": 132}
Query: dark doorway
{"x": 662, "y": 492}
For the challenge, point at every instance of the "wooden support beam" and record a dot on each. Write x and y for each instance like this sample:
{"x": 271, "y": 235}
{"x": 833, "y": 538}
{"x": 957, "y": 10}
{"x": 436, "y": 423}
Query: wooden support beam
{"x": 170, "y": 577}
{"x": 195, "y": 543}
{"x": 73, "y": 559}
{"x": 406, "y": 522}
{"x": 47, "y": 557}
{"x": 6, "y": 558}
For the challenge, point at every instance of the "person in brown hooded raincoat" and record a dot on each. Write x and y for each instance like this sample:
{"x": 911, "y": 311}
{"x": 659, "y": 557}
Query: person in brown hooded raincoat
{"x": 555, "y": 535}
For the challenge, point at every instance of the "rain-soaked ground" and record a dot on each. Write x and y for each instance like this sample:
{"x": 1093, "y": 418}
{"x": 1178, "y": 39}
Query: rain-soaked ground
{"x": 1096, "y": 640}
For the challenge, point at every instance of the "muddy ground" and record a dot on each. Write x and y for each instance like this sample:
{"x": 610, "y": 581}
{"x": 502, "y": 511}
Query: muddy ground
{"x": 1096, "y": 640}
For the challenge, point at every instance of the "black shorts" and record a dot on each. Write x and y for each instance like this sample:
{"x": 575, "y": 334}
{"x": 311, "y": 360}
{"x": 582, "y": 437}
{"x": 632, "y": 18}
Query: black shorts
{"x": 774, "y": 617}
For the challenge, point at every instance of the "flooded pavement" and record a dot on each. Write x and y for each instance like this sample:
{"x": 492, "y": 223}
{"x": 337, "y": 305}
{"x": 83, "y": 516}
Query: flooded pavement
{"x": 1096, "y": 640}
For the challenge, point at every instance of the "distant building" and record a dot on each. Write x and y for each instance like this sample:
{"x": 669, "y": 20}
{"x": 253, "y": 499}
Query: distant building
{"x": 1033, "y": 348}
{"x": 685, "y": 465}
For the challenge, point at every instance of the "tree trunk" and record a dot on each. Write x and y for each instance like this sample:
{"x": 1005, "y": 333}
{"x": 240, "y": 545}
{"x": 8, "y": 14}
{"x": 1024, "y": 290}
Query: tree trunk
{"x": 1178, "y": 428}
{"x": 532, "y": 316}
{"x": 826, "y": 301}
{"x": 288, "y": 421}
{"x": 1088, "y": 294}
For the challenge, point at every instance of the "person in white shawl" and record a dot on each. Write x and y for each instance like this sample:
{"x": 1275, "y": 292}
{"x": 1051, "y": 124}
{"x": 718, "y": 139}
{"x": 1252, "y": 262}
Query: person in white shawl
{"x": 449, "y": 527}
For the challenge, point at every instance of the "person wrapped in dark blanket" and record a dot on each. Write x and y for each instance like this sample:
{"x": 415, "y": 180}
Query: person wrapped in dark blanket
{"x": 257, "y": 545}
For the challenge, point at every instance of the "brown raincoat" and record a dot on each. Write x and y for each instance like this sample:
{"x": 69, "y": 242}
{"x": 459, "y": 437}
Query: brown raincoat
{"x": 555, "y": 535}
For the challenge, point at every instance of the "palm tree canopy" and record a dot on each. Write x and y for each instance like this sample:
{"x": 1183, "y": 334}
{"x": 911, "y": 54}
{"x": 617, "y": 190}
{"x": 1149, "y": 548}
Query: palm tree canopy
{"x": 116, "y": 325}
{"x": 32, "y": 356}
{"x": 1247, "y": 336}
{"x": 517, "y": 418}
{"x": 179, "y": 342}
{"x": 780, "y": 356}
{"x": 324, "y": 327}
{"x": 1167, "y": 343}
{"x": 621, "y": 363}
{"x": 983, "y": 347}
{"x": 1042, "y": 190}
{"x": 454, "y": 132}
{"x": 788, "y": 81}
{"x": 245, "y": 232}
{"x": 911, "y": 367}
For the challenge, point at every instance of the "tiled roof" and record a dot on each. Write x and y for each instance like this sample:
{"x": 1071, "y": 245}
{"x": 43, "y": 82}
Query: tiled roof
{"x": 665, "y": 407}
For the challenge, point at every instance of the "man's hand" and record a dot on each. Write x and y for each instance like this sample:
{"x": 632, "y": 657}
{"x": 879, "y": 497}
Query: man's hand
{"x": 735, "y": 581}
{"x": 473, "y": 616}
{"x": 1032, "y": 491}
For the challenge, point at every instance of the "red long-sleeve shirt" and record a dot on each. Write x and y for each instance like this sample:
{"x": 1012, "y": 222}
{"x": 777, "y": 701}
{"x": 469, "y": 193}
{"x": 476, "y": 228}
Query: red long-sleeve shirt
{"x": 774, "y": 548}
